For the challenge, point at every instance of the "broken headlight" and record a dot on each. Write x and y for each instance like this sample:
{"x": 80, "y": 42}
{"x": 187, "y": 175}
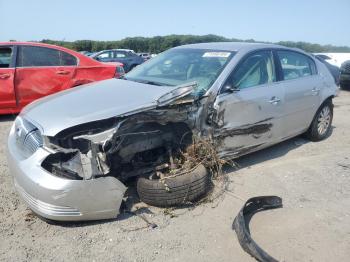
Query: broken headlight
{"x": 28, "y": 136}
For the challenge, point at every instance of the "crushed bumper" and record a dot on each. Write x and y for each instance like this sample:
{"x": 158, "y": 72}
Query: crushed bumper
{"x": 58, "y": 198}
{"x": 241, "y": 225}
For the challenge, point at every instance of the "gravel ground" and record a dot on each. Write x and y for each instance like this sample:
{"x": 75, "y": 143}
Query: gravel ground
{"x": 314, "y": 225}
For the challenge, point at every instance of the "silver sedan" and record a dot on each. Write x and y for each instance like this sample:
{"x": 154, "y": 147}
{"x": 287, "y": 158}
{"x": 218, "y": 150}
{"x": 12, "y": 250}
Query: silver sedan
{"x": 72, "y": 154}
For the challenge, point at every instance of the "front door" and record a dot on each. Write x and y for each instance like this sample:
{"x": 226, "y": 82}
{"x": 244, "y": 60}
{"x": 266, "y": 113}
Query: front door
{"x": 248, "y": 108}
{"x": 42, "y": 71}
{"x": 7, "y": 74}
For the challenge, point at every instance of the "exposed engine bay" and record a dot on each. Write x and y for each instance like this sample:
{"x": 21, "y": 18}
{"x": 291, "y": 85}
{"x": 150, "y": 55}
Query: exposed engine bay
{"x": 121, "y": 147}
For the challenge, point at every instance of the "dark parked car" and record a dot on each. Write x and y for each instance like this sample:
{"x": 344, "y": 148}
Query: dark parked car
{"x": 87, "y": 53}
{"x": 335, "y": 71}
{"x": 128, "y": 58}
{"x": 345, "y": 74}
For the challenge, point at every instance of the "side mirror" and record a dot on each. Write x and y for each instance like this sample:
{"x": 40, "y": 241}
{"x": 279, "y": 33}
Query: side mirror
{"x": 97, "y": 58}
{"x": 230, "y": 89}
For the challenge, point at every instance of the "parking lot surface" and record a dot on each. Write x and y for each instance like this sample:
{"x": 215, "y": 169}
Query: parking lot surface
{"x": 314, "y": 225}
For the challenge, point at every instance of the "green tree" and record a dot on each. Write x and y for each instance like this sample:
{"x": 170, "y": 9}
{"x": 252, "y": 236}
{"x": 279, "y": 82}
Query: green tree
{"x": 158, "y": 44}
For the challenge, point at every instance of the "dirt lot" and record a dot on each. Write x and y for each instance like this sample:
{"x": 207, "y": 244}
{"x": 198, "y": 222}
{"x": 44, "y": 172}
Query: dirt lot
{"x": 312, "y": 178}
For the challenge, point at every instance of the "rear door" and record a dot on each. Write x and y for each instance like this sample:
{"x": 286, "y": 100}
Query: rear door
{"x": 42, "y": 71}
{"x": 126, "y": 58}
{"x": 302, "y": 90}
{"x": 249, "y": 107}
{"x": 7, "y": 74}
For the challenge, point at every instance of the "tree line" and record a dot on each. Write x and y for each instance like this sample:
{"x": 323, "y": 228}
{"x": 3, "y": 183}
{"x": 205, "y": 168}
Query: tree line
{"x": 159, "y": 44}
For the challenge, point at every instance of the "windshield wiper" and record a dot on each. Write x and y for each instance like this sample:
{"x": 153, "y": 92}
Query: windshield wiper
{"x": 148, "y": 82}
{"x": 154, "y": 83}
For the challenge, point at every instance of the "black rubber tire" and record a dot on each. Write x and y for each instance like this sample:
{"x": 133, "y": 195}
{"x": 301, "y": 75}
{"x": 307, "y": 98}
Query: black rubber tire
{"x": 182, "y": 189}
{"x": 313, "y": 133}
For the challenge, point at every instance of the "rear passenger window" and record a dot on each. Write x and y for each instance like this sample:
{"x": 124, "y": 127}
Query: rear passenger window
{"x": 67, "y": 59}
{"x": 120, "y": 54}
{"x": 295, "y": 65}
{"x": 30, "y": 56}
{"x": 5, "y": 57}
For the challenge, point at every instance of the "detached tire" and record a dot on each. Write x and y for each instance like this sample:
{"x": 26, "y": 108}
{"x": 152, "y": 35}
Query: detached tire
{"x": 182, "y": 189}
{"x": 322, "y": 122}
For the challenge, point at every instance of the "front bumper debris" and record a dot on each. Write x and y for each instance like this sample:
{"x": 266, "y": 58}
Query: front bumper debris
{"x": 60, "y": 198}
{"x": 241, "y": 225}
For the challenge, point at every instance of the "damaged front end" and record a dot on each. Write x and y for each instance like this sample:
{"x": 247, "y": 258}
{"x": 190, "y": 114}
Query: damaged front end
{"x": 123, "y": 146}
{"x": 90, "y": 162}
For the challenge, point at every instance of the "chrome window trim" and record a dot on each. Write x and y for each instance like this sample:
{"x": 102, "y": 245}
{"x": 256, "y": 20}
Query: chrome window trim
{"x": 295, "y": 79}
{"x": 42, "y": 66}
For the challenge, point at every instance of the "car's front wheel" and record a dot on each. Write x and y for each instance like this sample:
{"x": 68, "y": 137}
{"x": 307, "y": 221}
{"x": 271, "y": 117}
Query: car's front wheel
{"x": 322, "y": 123}
{"x": 176, "y": 190}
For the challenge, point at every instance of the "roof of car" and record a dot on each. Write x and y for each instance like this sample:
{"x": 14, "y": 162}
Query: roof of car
{"x": 117, "y": 49}
{"x": 37, "y": 44}
{"x": 86, "y": 59}
{"x": 231, "y": 46}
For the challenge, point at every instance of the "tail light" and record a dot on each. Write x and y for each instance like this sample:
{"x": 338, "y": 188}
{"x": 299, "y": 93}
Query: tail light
{"x": 119, "y": 71}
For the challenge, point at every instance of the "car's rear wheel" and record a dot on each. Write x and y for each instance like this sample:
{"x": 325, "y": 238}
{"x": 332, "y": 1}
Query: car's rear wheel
{"x": 322, "y": 123}
{"x": 176, "y": 190}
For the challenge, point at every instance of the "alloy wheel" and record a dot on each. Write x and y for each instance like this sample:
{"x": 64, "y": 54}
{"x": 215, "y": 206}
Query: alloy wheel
{"x": 324, "y": 120}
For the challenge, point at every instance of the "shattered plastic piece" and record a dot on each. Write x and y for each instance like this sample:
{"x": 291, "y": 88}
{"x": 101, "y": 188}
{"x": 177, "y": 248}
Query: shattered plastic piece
{"x": 241, "y": 225}
{"x": 180, "y": 92}
{"x": 151, "y": 225}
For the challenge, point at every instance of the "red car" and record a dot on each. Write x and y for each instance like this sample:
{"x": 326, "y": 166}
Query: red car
{"x": 29, "y": 71}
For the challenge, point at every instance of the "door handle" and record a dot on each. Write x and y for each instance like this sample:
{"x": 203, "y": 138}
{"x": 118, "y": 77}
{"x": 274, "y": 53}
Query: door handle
{"x": 274, "y": 100}
{"x": 4, "y": 76}
{"x": 62, "y": 72}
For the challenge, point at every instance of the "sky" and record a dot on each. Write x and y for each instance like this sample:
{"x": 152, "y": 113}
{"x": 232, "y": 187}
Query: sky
{"x": 316, "y": 21}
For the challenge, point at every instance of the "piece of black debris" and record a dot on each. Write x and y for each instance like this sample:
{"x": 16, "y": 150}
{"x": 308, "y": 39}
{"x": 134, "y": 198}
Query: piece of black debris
{"x": 241, "y": 225}
{"x": 149, "y": 224}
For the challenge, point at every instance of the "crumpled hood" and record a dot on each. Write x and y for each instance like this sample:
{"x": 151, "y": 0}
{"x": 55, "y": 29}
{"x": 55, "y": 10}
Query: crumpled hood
{"x": 91, "y": 102}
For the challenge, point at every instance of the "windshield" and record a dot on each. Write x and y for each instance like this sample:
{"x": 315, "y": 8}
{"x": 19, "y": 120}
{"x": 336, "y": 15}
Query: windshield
{"x": 181, "y": 66}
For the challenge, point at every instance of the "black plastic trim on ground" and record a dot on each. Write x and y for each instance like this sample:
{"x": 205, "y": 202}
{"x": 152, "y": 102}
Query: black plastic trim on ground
{"x": 241, "y": 225}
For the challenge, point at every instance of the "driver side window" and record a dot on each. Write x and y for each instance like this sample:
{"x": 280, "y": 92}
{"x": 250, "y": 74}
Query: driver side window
{"x": 256, "y": 69}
